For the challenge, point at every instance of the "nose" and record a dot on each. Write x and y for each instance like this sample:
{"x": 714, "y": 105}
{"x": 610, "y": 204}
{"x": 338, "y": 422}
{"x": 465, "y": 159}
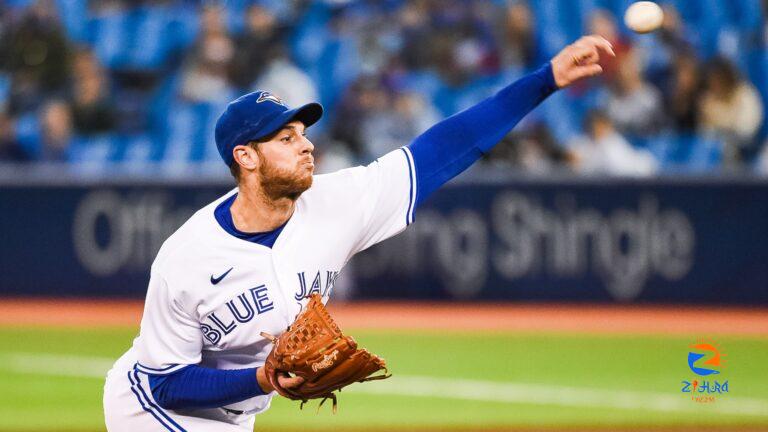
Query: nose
{"x": 308, "y": 146}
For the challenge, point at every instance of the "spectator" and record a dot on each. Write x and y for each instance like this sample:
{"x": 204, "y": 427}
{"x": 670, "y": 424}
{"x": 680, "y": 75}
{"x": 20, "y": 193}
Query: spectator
{"x": 666, "y": 44}
{"x": 36, "y": 53}
{"x": 603, "y": 23}
{"x": 283, "y": 78}
{"x": 364, "y": 98}
{"x": 92, "y": 111}
{"x": 395, "y": 124}
{"x": 518, "y": 38}
{"x": 417, "y": 50}
{"x": 107, "y": 6}
{"x": 683, "y": 97}
{"x": 256, "y": 47}
{"x": 10, "y": 150}
{"x": 730, "y": 108}
{"x": 532, "y": 149}
{"x": 464, "y": 48}
{"x": 605, "y": 151}
{"x": 56, "y": 134}
{"x": 633, "y": 105}
{"x": 206, "y": 73}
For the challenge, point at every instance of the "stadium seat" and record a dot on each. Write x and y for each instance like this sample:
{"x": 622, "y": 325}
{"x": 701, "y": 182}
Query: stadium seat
{"x": 549, "y": 26}
{"x": 749, "y": 15}
{"x": 93, "y": 150}
{"x": 152, "y": 40}
{"x": 189, "y": 136}
{"x": 73, "y": 15}
{"x": 137, "y": 150}
{"x": 108, "y": 35}
{"x": 689, "y": 153}
{"x": 182, "y": 131}
{"x": 28, "y": 134}
{"x": 564, "y": 123}
{"x": 5, "y": 88}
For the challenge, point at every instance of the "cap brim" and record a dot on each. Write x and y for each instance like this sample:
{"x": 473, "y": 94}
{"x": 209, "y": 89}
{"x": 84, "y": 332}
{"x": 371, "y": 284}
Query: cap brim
{"x": 308, "y": 114}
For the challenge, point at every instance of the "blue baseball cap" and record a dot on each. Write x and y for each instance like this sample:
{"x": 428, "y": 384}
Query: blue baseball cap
{"x": 258, "y": 115}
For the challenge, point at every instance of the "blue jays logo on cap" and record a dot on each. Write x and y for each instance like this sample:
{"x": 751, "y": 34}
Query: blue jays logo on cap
{"x": 267, "y": 96}
{"x": 248, "y": 118}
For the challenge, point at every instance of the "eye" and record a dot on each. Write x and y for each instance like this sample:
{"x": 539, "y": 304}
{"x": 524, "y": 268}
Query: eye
{"x": 285, "y": 139}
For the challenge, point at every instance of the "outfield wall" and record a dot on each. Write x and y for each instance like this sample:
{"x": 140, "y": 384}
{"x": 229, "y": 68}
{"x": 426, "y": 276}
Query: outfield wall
{"x": 567, "y": 239}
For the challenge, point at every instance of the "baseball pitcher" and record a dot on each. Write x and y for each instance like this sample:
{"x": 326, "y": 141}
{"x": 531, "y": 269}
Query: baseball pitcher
{"x": 228, "y": 283}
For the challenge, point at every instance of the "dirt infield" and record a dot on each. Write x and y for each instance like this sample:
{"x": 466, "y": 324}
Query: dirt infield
{"x": 600, "y": 319}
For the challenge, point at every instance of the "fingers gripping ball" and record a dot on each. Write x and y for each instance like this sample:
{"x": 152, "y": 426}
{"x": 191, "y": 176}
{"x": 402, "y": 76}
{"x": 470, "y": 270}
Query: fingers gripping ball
{"x": 315, "y": 349}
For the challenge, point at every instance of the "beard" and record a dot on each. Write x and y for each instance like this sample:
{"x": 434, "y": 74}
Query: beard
{"x": 281, "y": 183}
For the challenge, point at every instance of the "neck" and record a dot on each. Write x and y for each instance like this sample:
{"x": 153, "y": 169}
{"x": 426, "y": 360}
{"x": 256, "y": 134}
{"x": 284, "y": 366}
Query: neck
{"x": 254, "y": 211}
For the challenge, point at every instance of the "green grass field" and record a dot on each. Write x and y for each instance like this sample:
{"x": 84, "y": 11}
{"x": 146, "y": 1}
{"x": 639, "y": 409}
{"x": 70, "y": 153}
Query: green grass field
{"x": 49, "y": 380}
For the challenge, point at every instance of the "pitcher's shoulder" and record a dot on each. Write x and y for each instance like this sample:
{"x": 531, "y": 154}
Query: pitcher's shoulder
{"x": 195, "y": 235}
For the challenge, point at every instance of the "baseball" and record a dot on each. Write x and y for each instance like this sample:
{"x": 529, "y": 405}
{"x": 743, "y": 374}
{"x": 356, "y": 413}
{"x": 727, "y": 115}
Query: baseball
{"x": 643, "y": 17}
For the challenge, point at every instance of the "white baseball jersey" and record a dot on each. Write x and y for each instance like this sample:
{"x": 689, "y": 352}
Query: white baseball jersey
{"x": 210, "y": 294}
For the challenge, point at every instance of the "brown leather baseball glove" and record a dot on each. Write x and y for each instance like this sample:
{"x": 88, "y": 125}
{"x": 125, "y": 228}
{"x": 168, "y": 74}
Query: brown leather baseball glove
{"x": 314, "y": 348}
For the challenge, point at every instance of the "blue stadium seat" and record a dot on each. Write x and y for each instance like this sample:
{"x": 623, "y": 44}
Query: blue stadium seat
{"x": 107, "y": 33}
{"x": 28, "y": 134}
{"x": 584, "y": 9}
{"x": 749, "y": 15}
{"x": 189, "y": 136}
{"x": 338, "y": 65}
{"x": 659, "y": 146}
{"x": 17, "y": 4}
{"x": 689, "y": 153}
{"x": 563, "y": 121}
{"x": 311, "y": 36}
{"x": 206, "y": 150}
{"x": 96, "y": 151}
{"x": 152, "y": 40}
{"x": 138, "y": 39}
{"x": 5, "y": 88}
{"x": 758, "y": 73}
{"x": 549, "y": 20}
{"x": 137, "y": 149}
{"x": 618, "y": 7}
{"x": 73, "y": 15}
{"x": 183, "y": 128}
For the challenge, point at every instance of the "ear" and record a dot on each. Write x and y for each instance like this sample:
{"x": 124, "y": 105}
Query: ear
{"x": 246, "y": 156}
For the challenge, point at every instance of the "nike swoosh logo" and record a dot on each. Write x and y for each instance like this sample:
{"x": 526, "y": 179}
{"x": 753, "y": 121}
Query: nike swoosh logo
{"x": 218, "y": 279}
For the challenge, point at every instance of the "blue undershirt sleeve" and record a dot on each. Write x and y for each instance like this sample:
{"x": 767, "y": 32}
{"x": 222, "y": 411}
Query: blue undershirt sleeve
{"x": 452, "y": 145}
{"x": 200, "y": 387}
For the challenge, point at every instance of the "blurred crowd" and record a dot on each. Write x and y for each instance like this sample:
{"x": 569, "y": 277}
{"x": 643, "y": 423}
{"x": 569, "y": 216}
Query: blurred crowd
{"x": 142, "y": 81}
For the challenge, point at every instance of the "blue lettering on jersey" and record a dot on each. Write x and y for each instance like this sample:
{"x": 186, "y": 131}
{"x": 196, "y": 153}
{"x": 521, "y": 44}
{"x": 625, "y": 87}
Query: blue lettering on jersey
{"x": 226, "y": 328}
{"x": 329, "y": 282}
{"x": 302, "y": 287}
{"x": 239, "y": 310}
{"x": 263, "y": 303}
{"x": 213, "y": 336}
{"x": 317, "y": 284}
{"x": 241, "y": 317}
